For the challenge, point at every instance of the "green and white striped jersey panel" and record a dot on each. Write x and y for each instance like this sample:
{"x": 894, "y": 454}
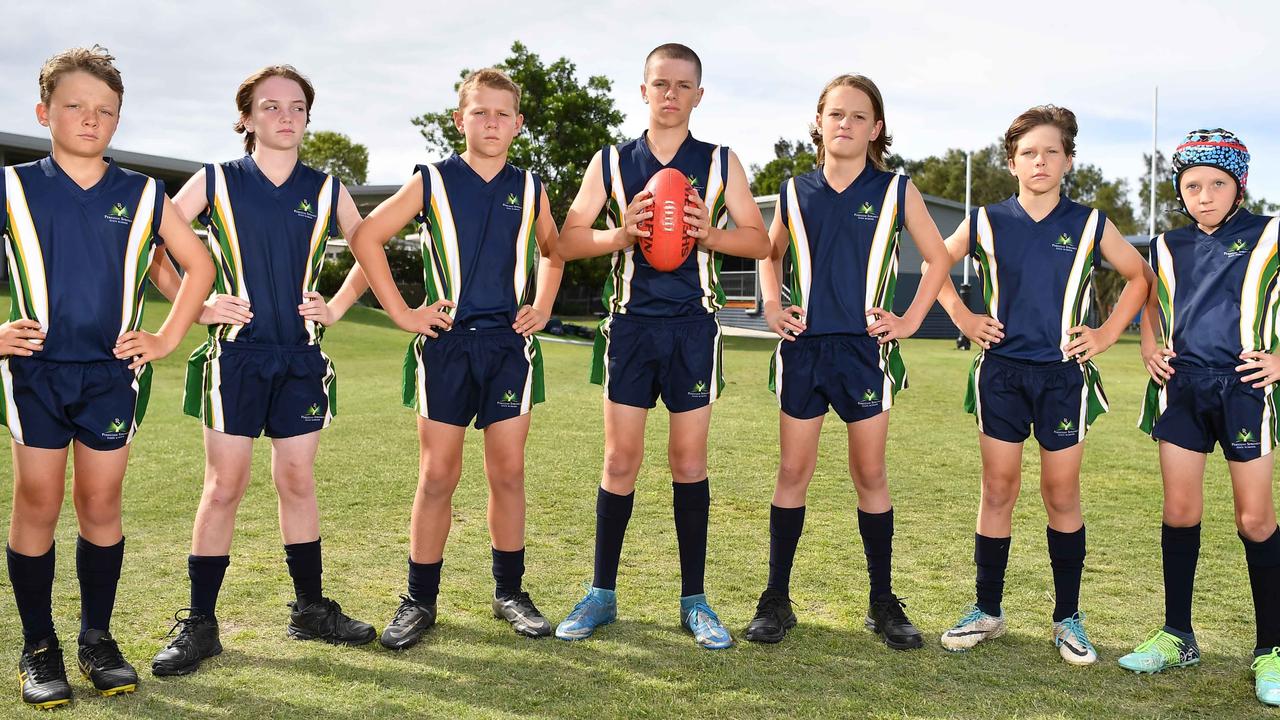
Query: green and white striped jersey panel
{"x": 801, "y": 263}
{"x": 622, "y": 265}
{"x": 1260, "y": 295}
{"x": 29, "y": 286}
{"x": 527, "y": 252}
{"x": 882, "y": 260}
{"x": 226, "y": 249}
{"x": 315, "y": 256}
{"x": 986, "y": 252}
{"x": 441, "y": 262}
{"x": 1079, "y": 290}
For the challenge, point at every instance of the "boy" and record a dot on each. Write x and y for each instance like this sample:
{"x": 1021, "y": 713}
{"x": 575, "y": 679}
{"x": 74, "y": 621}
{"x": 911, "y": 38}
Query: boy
{"x": 1213, "y": 381}
{"x": 661, "y": 337}
{"x": 262, "y": 368}
{"x": 1036, "y": 253}
{"x": 486, "y": 227}
{"x": 74, "y": 362}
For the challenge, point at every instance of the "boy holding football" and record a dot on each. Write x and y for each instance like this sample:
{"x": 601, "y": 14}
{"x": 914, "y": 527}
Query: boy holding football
{"x": 661, "y": 337}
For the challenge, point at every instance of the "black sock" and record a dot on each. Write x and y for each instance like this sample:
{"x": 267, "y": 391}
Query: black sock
{"x": 1179, "y": 552}
{"x": 692, "y": 505}
{"x": 424, "y": 581}
{"x": 785, "y": 527}
{"x": 992, "y": 557}
{"x": 32, "y": 581}
{"x": 508, "y": 572}
{"x": 206, "y": 573}
{"x": 1264, "y": 580}
{"x": 1066, "y": 557}
{"x": 877, "y": 543}
{"x": 613, "y": 512}
{"x": 98, "y": 569}
{"x": 306, "y": 568}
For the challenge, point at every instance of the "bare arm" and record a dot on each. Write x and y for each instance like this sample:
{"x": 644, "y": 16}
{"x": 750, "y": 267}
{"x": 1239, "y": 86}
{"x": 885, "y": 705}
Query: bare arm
{"x": 748, "y": 238}
{"x": 928, "y": 241}
{"x": 189, "y": 201}
{"x": 980, "y": 328}
{"x": 788, "y": 322}
{"x": 578, "y": 239}
{"x": 1154, "y": 354}
{"x": 144, "y": 347}
{"x": 1126, "y": 260}
{"x": 533, "y": 318}
{"x": 367, "y": 245}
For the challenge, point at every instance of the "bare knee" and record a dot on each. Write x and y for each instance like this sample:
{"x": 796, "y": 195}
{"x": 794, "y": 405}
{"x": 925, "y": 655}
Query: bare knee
{"x": 1256, "y": 525}
{"x": 794, "y": 473}
{"x": 869, "y": 476}
{"x": 98, "y": 508}
{"x": 506, "y": 476}
{"x": 622, "y": 464}
{"x": 1000, "y": 491}
{"x": 223, "y": 491}
{"x": 687, "y": 469}
{"x": 439, "y": 480}
{"x": 37, "y": 505}
{"x": 295, "y": 482}
{"x": 1061, "y": 500}
{"x": 1180, "y": 512}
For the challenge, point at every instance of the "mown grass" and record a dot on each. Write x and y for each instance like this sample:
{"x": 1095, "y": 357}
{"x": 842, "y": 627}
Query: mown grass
{"x": 645, "y": 666}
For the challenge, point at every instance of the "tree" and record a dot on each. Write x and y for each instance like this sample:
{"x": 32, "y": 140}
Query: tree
{"x": 1169, "y": 213}
{"x": 1085, "y": 184}
{"x": 336, "y": 154}
{"x": 789, "y": 159}
{"x": 944, "y": 176}
{"x": 566, "y": 121}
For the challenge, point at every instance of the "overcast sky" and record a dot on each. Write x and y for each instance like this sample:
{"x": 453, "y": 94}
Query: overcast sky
{"x": 953, "y": 75}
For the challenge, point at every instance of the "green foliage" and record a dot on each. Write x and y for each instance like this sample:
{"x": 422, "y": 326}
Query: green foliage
{"x": 1086, "y": 184}
{"x": 789, "y": 159}
{"x": 566, "y": 121}
{"x": 336, "y": 154}
{"x": 333, "y": 273}
{"x": 944, "y": 176}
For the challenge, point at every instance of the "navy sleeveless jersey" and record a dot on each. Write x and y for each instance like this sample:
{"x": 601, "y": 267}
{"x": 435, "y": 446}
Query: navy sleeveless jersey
{"x": 268, "y": 245}
{"x": 78, "y": 259}
{"x": 479, "y": 245}
{"x": 633, "y": 286}
{"x": 1218, "y": 293}
{"x": 843, "y": 253}
{"x": 1036, "y": 277}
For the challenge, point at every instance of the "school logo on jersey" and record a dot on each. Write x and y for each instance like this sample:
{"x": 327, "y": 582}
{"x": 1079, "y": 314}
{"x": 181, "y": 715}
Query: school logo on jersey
{"x": 305, "y": 209}
{"x": 118, "y": 214}
{"x": 699, "y": 389}
{"x": 116, "y": 429}
{"x": 1065, "y": 243}
{"x": 869, "y": 398}
{"x": 693, "y": 180}
{"x": 509, "y": 400}
{"x": 512, "y": 203}
{"x": 1237, "y": 248}
{"x": 1245, "y": 440}
{"x": 867, "y": 211}
{"x": 1065, "y": 426}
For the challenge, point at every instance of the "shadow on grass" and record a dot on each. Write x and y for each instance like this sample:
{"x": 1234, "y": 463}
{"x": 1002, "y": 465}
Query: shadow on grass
{"x": 646, "y": 669}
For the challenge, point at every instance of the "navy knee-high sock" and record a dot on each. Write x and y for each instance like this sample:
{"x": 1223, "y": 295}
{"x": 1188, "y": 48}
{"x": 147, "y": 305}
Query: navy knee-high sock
{"x": 98, "y": 569}
{"x": 1264, "y": 580}
{"x": 508, "y": 572}
{"x": 1066, "y": 557}
{"x": 424, "y": 581}
{"x": 32, "y": 581}
{"x": 692, "y": 509}
{"x": 1179, "y": 553}
{"x": 991, "y": 555}
{"x": 306, "y": 567}
{"x": 613, "y": 512}
{"x": 785, "y": 528}
{"x": 877, "y": 544}
{"x": 206, "y": 573}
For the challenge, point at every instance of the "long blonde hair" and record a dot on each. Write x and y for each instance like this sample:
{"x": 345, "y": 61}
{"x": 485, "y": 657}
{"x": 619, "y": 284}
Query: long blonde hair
{"x": 876, "y": 148}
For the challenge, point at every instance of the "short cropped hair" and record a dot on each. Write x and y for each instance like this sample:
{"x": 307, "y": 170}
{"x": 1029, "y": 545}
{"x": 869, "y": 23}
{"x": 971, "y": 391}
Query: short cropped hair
{"x": 675, "y": 51}
{"x": 491, "y": 78}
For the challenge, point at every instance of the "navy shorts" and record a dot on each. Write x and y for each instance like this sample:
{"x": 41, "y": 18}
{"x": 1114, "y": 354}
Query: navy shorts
{"x": 1199, "y": 407}
{"x": 639, "y": 359}
{"x": 854, "y": 374}
{"x": 248, "y": 388}
{"x": 488, "y": 375}
{"x": 1008, "y": 397}
{"x": 49, "y": 404}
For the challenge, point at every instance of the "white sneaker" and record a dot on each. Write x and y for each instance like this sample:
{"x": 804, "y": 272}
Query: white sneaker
{"x": 1072, "y": 641}
{"x": 974, "y": 627}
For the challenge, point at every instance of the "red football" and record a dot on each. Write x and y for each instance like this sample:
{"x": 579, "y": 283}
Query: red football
{"x": 668, "y": 243}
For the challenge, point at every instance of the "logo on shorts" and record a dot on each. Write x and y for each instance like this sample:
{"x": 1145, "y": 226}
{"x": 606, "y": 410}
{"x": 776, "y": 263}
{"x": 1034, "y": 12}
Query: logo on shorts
{"x": 1245, "y": 440}
{"x": 305, "y": 209}
{"x": 869, "y": 398}
{"x": 115, "y": 430}
{"x": 866, "y": 212}
{"x": 699, "y": 389}
{"x": 119, "y": 214}
{"x": 508, "y": 400}
{"x": 312, "y": 413}
{"x": 1065, "y": 427}
{"x": 1237, "y": 248}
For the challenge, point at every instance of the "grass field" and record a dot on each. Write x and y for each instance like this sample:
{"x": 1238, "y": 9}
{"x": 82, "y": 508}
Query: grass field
{"x": 645, "y": 666}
